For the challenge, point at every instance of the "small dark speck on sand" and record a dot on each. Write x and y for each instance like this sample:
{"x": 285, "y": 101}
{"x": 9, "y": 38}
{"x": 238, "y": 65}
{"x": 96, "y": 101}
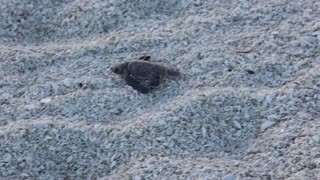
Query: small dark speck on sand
{"x": 250, "y": 71}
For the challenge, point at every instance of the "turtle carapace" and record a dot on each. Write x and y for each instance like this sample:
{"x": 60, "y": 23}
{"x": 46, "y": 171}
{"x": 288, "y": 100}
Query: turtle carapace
{"x": 136, "y": 71}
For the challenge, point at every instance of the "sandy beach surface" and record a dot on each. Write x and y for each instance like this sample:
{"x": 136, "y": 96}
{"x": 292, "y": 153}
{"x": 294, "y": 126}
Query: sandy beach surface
{"x": 247, "y": 108}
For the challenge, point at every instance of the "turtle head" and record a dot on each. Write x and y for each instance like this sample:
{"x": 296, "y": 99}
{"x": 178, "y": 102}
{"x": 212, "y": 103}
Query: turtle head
{"x": 173, "y": 73}
{"x": 120, "y": 69}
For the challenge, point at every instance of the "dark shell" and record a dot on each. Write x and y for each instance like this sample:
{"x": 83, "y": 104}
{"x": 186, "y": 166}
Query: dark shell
{"x": 146, "y": 70}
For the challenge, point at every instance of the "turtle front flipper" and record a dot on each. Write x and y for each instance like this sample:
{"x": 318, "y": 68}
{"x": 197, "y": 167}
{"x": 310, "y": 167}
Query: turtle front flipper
{"x": 135, "y": 84}
{"x": 155, "y": 81}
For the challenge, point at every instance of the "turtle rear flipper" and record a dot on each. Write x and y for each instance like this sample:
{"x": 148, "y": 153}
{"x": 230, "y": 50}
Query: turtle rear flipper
{"x": 135, "y": 84}
{"x": 145, "y": 58}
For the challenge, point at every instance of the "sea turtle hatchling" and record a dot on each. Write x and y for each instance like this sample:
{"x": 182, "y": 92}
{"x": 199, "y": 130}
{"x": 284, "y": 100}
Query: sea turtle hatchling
{"x": 141, "y": 70}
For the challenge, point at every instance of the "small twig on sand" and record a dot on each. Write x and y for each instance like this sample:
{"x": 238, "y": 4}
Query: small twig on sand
{"x": 243, "y": 51}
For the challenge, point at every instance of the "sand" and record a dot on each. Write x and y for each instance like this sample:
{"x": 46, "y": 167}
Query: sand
{"x": 248, "y": 107}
